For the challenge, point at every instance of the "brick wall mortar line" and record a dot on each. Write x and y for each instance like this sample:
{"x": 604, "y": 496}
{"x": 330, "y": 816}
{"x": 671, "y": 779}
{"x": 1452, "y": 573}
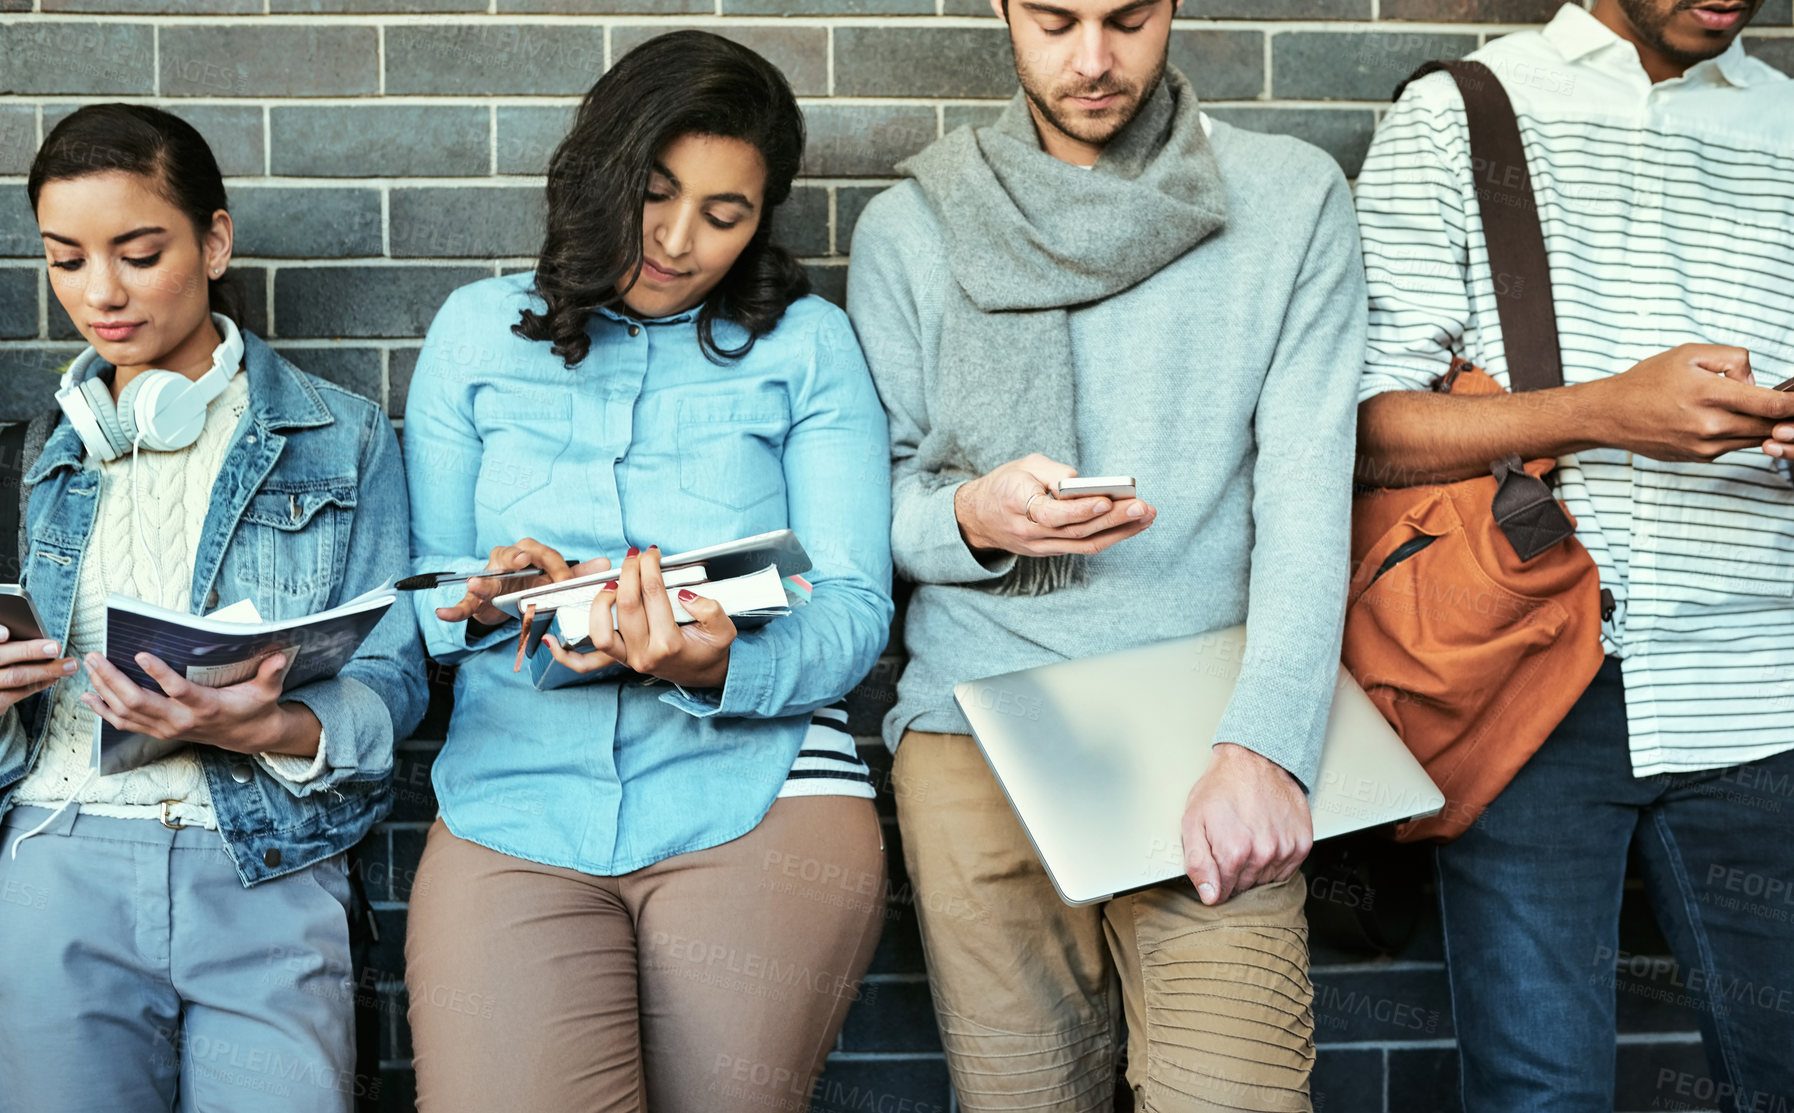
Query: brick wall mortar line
{"x": 1270, "y": 84}
{"x": 572, "y": 101}
{"x": 915, "y": 22}
{"x": 1396, "y": 1045}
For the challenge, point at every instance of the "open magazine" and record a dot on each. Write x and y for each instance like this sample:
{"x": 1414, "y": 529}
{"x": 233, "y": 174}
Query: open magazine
{"x": 224, "y": 648}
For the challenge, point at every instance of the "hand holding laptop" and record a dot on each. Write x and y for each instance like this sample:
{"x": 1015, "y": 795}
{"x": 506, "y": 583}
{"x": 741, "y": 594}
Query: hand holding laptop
{"x": 1246, "y": 824}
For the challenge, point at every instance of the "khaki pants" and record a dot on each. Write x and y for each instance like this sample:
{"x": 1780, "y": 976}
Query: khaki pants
{"x": 713, "y": 980}
{"x": 1030, "y": 992}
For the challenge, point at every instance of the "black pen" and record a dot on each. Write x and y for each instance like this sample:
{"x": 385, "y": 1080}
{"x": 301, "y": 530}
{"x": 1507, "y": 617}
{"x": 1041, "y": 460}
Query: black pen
{"x": 424, "y": 581}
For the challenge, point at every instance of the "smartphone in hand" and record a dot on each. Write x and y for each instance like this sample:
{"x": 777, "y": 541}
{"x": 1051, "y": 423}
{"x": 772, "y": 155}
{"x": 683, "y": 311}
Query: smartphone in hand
{"x": 1105, "y": 486}
{"x": 18, "y": 615}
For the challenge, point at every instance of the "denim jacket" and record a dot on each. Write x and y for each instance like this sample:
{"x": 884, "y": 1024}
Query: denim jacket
{"x": 308, "y": 510}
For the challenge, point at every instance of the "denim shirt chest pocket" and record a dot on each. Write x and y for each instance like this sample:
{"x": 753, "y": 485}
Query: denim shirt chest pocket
{"x": 301, "y": 533}
{"x": 731, "y": 448}
{"x": 521, "y": 437}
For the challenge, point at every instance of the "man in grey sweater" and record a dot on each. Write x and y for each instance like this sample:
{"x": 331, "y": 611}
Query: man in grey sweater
{"x": 1106, "y": 282}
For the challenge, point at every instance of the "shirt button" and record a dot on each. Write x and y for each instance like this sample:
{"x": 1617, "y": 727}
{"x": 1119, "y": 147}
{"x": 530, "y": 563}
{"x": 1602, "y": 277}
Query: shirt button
{"x": 242, "y": 773}
{"x": 635, "y": 330}
{"x": 271, "y": 858}
{"x": 211, "y": 599}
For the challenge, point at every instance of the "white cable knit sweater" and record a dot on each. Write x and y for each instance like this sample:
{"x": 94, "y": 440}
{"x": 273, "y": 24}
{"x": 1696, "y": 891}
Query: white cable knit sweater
{"x": 176, "y": 489}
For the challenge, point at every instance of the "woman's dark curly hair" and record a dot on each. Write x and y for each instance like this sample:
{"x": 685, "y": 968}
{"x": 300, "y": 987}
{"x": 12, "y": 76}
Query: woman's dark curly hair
{"x": 678, "y": 84}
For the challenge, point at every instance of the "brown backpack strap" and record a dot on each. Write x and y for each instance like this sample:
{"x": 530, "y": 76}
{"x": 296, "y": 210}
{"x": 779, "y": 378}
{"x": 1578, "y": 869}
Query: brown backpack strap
{"x": 1511, "y": 229}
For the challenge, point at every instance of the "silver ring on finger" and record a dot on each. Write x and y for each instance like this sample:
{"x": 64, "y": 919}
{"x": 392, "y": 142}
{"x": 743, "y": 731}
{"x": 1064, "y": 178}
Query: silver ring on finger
{"x": 1028, "y": 508}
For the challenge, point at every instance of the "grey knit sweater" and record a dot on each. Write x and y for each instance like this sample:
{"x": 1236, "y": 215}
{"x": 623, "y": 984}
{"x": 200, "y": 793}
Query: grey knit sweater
{"x": 1226, "y": 383}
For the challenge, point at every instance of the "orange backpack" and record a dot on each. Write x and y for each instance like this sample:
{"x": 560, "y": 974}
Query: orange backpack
{"x": 1474, "y": 614}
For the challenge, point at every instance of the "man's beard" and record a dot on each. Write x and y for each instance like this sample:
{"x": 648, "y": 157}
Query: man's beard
{"x": 1102, "y": 129}
{"x": 1649, "y": 20}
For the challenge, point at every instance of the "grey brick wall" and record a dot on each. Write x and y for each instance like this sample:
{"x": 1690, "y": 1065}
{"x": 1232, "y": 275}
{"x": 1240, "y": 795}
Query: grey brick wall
{"x": 382, "y": 152}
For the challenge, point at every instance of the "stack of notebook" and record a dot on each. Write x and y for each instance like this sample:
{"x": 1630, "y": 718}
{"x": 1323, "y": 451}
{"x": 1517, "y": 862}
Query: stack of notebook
{"x": 756, "y": 579}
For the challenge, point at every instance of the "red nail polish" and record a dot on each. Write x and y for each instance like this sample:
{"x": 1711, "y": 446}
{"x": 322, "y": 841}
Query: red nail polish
{"x": 686, "y": 596}
{"x": 654, "y": 548}
{"x": 610, "y": 585}
{"x": 633, "y": 551}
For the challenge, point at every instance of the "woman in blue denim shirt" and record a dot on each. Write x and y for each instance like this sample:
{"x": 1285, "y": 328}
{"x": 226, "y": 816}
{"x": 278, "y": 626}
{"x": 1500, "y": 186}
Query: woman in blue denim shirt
{"x": 658, "y": 891}
{"x": 177, "y": 932}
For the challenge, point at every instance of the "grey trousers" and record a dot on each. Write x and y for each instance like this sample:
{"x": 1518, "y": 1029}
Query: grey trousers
{"x": 137, "y": 973}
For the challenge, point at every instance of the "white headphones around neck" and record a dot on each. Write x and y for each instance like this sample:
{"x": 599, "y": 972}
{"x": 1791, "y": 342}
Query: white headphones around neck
{"x": 161, "y": 410}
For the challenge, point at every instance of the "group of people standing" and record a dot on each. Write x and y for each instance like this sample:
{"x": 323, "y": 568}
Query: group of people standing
{"x": 660, "y": 889}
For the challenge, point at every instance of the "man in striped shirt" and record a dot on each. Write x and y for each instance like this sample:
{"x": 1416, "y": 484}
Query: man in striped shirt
{"x": 1663, "y": 159}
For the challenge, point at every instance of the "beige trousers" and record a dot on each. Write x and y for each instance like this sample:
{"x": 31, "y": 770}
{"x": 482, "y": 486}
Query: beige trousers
{"x": 1030, "y": 992}
{"x": 712, "y": 980}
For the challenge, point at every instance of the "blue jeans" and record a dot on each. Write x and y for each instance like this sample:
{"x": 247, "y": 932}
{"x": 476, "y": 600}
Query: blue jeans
{"x": 1531, "y": 902}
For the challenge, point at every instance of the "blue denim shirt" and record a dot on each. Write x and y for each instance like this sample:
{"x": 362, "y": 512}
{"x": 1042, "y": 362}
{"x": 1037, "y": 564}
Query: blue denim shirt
{"x": 645, "y": 442}
{"x": 308, "y": 511}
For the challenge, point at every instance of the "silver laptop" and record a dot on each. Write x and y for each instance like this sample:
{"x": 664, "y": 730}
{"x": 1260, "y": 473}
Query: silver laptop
{"x": 1098, "y": 755}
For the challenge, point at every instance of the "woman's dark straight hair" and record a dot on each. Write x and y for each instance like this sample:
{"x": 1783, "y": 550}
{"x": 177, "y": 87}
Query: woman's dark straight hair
{"x": 678, "y": 84}
{"x": 158, "y": 145}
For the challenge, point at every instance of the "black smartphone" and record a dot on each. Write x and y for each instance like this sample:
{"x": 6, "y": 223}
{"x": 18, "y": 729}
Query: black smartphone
{"x": 1785, "y": 384}
{"x": 18, "y": 615}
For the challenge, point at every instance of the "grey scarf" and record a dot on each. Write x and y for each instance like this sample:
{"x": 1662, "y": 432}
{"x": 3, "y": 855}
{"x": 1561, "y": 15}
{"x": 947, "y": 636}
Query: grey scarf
{"x": 1029, "y": 237}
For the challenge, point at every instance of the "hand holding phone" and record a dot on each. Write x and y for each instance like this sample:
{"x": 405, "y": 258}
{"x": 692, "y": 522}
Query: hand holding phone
{"x": 28, "y": 663}
{"x": 1015, "y": 509}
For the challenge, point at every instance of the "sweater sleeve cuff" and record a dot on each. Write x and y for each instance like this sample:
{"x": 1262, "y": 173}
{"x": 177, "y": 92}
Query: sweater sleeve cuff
{"x": 1283, "y": 720}
{"x": 293, "y": 769}
{"x": 926, "y": 537}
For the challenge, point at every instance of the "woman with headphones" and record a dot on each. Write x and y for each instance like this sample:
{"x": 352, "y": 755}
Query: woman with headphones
{"x": 177, "y": 932}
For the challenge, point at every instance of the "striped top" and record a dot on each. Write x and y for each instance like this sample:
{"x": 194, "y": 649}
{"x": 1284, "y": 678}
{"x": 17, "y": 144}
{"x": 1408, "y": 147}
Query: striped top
{"x": 829, "y": 763}
{"x": 1668, "y": 213}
